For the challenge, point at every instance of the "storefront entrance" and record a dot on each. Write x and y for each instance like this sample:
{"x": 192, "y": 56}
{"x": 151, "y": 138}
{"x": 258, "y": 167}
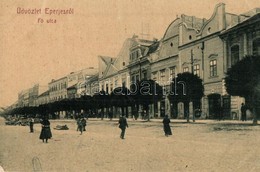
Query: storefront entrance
{"x": 215, "y": 106}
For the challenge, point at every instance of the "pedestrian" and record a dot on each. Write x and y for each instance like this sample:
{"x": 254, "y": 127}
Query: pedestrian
{"x": 31, "y": 122}
{"x": 84, "y": 124}
{"x": 122, "y": 125}
{"x": 46, "y": 130}
{"x": 166, "y": 126}
{"x": 243, "y": 112}
{"x": 80, "y": 125}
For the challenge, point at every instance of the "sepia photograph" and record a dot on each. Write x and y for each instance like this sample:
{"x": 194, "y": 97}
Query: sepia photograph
{"x": 129, "y": 85}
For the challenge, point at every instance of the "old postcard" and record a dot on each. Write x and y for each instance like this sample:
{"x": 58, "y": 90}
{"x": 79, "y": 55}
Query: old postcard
{"x": 130, "y": 85}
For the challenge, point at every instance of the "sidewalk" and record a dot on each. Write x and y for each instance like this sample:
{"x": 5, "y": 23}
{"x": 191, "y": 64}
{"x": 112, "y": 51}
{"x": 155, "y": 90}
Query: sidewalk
{"x": 159, "y": 121}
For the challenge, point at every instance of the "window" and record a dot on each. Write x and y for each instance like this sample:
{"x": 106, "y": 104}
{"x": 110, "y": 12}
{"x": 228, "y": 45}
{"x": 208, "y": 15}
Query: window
{"x": 106, "y": 88}
{"x": 111, "y": 87}
{"x": 234, "y": 54}
{"x": 137, "y": 78}
{"x": 116, "y": 81}
{"x": 196, "y": 70}
{"x": 144, "y": 75}
{"x": 213, "y": 67}
{"x": 256, "y": 47}
{"x": 123, "y": 79}
{"x": 209, "y": 30}
{"x": 162, "y": 75}
{"x": 133, "y": 78}
{"x": 186, "y": 69}
{"x": 154, "y": 76}
{"x": 172, "y": 72}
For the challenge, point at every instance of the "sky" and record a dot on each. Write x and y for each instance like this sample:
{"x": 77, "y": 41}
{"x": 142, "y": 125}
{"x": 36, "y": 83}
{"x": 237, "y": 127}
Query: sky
{"x": 32, "y": 52}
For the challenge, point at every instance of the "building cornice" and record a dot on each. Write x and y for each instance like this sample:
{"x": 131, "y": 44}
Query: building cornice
{"x": 165, "y": 58}
{"x": 114, "y": 74}
{"x": 206, "y": 38}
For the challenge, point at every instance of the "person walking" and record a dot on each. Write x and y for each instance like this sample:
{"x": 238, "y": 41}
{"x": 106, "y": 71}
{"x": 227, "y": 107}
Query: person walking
{"x": 243, "y": 112}
{"x": 166, "y": 126}
{"x": 31, "y": 122}
{"x": 122, "y": 125}
{"x": 80, "y": 125}
{"x": 46, "y": 130}
{"x": 84, "y": 124}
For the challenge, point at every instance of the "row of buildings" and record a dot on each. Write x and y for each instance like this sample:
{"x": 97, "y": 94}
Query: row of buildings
{"x": 73, "y": 85}
{"x": 205, "y": 47}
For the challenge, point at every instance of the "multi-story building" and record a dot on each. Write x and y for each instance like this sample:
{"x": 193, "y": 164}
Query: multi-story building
{"x": 201, "y": 53}
{"x": 204, "y": 53}
{"x": 165, "y": 62}
{"x": 43, "y": 98}
{"x": 91, "y": 85}
{"x": 77, "y": 80}
{"x": 139, "y": 64}
{"x": 29, "y": 96}
{"x": 58, "y": 89}
{"x": 113, "y": 72}
{"x": 238, "y": 41}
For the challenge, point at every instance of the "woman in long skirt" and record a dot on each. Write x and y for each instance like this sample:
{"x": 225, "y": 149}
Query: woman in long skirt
{"x": 46, "y": 130}
{"x": 166, "y": 126}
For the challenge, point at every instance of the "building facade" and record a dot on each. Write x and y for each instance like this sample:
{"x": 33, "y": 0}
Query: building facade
{"x": 240, "y": 40}
{"x": 43, "y": 98}
{"x": 58, "y": 89}
{"x": 113, "y": 72}
{"x": 29, "y": 96}
{"x": 91, "y": 85}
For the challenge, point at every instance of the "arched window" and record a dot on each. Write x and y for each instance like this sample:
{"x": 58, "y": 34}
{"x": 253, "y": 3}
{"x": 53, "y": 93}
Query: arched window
{"x": 234, "y": 54}
{"x": 256, "y": 46}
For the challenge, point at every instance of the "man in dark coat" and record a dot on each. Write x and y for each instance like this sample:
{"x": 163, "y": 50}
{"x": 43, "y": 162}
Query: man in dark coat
{"x": 80, "y": 125}
{"x": 46, "y": 130}
{"x": 243, "y": 112}
{"x": 122, "y": 125}
{"x": 31, "y": 121}
{"x": 166, "y": 126}
{"x": 84, "y": 123}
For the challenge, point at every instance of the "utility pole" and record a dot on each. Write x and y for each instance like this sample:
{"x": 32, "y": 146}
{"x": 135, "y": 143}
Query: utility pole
{"x": 191, "y": 61}
{"x": 192, "y": 71}
{"x": 140, "y": 69}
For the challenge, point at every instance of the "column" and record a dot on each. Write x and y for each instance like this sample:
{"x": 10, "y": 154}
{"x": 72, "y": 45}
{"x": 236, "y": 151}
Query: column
{"x": 245, "y": 44}
{"x": 225, "y": 56}
{"x": 159, "y": 109}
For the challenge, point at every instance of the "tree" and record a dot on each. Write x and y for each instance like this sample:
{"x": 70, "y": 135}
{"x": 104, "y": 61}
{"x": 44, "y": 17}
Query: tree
{"x": 243, "y": 79}
{"x": 101, "y": 101}
{"x": 87, "y": 102}
{"x": 186, "y": 88}
{"x": 146, "y": 92}
{"x": 120, "y": 97}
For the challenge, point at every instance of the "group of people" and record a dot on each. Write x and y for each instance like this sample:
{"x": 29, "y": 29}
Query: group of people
{"x": 166, "y": 126}
{"x": 46, "y": 130}
{"x": 82, "y": 123}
